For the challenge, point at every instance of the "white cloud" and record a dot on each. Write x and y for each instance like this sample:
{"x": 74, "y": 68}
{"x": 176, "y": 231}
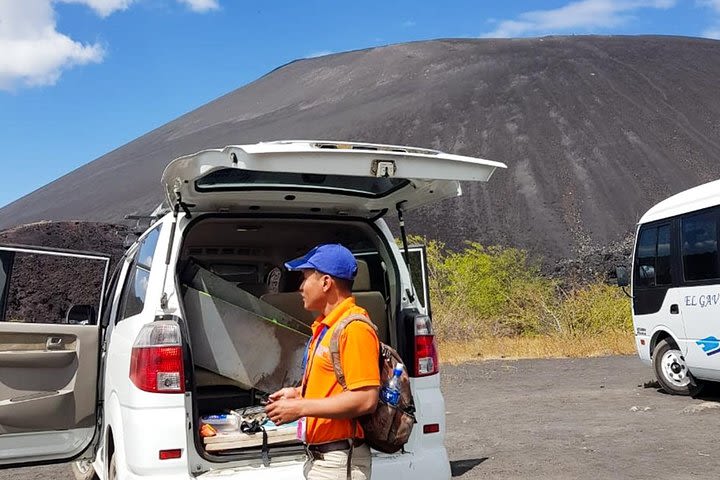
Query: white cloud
{"x": 201, "y": 5}
{"x": 103, "y": 7}
{"x": 583, "y": 15}
{"x": 34, "y": 53}
{"x": 713, "y": 32}
{"x": 714, "y": 4}
{"x": 321, "y": 53}
{"x": 408, "y": 24}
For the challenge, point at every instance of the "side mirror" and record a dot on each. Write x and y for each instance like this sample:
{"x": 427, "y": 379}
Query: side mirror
{"x": 623, "y": 279}
{"x": 80, "y": 315}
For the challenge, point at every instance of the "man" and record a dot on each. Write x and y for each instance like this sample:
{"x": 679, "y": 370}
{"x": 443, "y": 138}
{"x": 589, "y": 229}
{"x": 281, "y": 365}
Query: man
{"x": 326, "y": 412}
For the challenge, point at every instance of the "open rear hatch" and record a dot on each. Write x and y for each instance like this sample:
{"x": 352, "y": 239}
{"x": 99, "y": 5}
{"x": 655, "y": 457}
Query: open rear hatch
{"x": 302, "y": 178}
{"x": 318, "y": 176}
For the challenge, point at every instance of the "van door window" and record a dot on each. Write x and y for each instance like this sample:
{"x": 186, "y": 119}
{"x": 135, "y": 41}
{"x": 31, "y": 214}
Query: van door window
{"x": 5, "y": 267}
{"x": 136, "y": 284}
{"x": 699, "y": 247}
{"x": 110, "y": 292}
{"x": 38, "y": 286}
{"x": 419, "y": 273}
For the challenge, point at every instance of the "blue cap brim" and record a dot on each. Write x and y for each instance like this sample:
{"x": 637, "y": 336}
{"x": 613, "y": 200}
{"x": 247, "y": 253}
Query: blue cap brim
{"x": 299, "y": 264}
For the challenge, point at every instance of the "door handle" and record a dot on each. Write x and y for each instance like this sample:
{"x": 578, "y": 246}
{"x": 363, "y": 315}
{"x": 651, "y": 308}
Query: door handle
{"x": 674, "y": 309}
{"x": 54, "y": 343}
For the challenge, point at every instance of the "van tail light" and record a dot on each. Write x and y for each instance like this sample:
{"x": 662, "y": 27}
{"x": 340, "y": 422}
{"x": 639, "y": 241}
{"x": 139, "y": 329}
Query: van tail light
{"x": 170, "y": 454}
{"x": 426, "y": 357}
{"x": 431, "y": 428}
{"x": 156, "y": 362}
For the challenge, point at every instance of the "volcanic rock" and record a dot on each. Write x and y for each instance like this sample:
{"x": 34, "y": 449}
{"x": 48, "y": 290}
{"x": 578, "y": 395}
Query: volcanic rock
{"x": 594, "y": 130}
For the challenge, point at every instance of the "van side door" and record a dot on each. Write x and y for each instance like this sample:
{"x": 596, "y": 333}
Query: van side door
{"x": 50, "y": 303}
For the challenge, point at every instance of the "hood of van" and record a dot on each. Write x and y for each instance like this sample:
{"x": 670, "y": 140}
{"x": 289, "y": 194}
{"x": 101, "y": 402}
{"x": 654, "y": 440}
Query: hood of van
{"x": 319, "y": 177}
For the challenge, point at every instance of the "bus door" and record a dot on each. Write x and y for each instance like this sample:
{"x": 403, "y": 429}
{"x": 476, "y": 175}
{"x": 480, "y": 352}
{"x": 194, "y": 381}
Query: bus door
{"x": 656, "y": 304}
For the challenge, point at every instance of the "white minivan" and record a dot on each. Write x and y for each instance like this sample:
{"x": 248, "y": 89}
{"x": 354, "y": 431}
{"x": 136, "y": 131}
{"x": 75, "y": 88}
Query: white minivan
{"x": 119, "y": 387}
{"x": 676, "y": 289}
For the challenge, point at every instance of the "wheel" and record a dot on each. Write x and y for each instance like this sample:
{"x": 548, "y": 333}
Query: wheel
{"x": 112, "y": 468}
{"x": 672, "y": 372}
{"x": 83, "y": 470}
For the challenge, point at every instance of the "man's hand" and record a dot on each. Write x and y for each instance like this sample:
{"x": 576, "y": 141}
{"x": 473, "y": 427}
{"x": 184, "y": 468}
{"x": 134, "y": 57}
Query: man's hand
{"x": 287, "y": 392}
{"x": 284, "y": 410}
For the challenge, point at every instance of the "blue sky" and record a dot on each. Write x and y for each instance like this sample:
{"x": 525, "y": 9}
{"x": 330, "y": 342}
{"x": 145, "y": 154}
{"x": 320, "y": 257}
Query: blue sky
{"x": 79, "y": 78}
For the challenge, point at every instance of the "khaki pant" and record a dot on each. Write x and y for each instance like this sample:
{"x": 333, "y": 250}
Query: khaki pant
{"x": 334, "y": 465}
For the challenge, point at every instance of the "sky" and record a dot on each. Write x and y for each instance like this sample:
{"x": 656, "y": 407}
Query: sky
{"x": 80, "y": 78}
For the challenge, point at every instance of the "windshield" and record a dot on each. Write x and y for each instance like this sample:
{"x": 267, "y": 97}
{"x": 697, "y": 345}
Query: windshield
{"x": 229, "y": 179}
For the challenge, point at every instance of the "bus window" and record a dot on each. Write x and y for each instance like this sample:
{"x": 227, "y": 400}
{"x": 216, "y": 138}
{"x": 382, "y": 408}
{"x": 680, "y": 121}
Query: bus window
{"x": 662, "y": 262}
{"x": 645, "y": 267}
{"x": 653, "y": 257}
{"x": 699, "y": 247}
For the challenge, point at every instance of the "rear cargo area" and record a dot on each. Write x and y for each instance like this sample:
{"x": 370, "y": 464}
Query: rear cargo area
{"x": 247, "y": 327}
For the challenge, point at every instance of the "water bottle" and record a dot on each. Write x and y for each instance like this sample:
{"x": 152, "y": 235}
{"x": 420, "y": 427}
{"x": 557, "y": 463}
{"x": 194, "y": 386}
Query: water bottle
{"x": 221, "y": 422}
{"x": 390, "y": 393}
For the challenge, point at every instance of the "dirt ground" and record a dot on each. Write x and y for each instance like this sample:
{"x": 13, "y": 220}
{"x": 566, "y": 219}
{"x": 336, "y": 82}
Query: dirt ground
{"x": 575, "y": 419}
{"x": 562, "y": 419}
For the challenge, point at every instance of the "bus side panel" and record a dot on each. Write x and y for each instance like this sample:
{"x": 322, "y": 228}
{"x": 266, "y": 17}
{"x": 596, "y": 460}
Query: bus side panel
{"x": 700, "y": 308}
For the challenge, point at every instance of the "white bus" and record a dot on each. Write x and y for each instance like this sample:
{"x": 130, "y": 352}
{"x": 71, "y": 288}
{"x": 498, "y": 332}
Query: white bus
{"x": 676, "y": 289}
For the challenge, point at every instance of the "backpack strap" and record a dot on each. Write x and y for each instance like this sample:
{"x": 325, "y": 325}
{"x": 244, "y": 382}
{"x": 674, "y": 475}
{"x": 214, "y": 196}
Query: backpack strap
{"x": 335, "y": 343}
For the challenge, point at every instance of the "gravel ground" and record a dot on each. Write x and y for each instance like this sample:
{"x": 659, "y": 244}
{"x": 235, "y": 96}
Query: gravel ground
{"x": 561, "y": 419}
{"x": 576, "y": 419}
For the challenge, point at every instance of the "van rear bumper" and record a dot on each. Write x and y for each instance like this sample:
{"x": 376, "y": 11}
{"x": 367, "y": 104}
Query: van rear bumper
{"x": 291, "y": 470}
{"x": 432, "y": 464}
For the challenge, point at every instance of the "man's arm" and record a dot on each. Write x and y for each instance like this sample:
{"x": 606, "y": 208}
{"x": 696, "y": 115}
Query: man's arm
{"x": 348, "y": 404}
{"x": 287, "y": 392}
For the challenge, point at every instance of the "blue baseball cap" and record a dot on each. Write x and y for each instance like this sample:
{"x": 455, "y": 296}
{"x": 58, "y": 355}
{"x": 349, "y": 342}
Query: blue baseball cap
{"x": 330, "y": 258}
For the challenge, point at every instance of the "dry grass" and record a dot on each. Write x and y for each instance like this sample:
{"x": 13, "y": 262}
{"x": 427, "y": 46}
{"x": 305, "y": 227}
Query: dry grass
{"x": 555, "y": 346}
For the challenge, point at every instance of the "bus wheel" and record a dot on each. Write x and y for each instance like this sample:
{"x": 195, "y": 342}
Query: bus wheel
{"x": 672, "y": 372}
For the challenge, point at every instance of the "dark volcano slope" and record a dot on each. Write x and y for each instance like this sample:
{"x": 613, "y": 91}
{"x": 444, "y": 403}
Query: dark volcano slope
{"x": 594, "y": 130}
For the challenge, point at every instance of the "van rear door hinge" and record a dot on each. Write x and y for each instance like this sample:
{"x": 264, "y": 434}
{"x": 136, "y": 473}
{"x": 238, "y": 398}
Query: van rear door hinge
{"x": 179, "y": 204}
{"x": 164, "y": 301}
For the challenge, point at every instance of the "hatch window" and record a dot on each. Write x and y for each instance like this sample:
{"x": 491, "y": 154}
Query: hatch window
{"x": 231, "y": 179}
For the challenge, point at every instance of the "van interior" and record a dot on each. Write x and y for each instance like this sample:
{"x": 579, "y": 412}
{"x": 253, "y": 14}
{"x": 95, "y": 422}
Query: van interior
{"x": 234, "y": 284}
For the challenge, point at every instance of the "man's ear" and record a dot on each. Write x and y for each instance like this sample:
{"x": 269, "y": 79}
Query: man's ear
{"x": 327, "y": 283}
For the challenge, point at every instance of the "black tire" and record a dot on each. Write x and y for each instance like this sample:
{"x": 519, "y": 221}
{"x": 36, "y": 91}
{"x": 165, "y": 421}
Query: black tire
{"x": 83, "y": 470}
{"x": 671, "y": 371}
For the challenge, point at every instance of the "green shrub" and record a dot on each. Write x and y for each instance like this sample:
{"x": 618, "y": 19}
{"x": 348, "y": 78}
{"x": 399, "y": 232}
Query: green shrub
{"x": 596, "y": 309}
{"x": 495, "y": 291}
